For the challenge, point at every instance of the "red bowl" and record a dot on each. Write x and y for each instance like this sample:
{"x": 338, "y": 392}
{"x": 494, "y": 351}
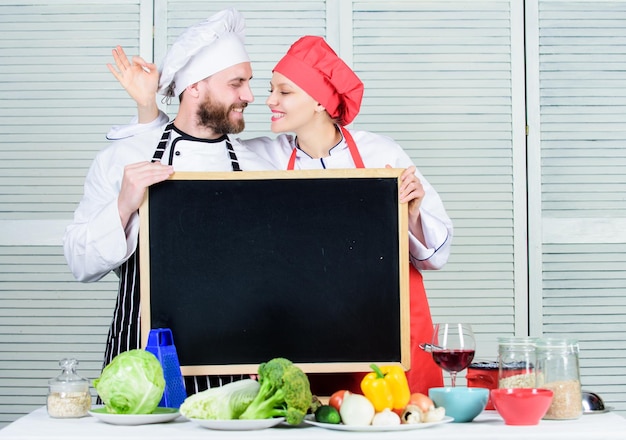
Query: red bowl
{"x": 521, "y": 406}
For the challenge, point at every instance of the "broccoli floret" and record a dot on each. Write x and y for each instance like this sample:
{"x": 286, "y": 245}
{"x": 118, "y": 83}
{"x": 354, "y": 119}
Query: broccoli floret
{"x": 274, "y": 370}
{"x": 285, "y": 392}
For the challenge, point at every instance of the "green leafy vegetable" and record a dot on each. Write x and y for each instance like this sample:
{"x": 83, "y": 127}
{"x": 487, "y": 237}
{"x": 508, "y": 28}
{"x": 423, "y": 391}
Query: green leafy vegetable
{"x": 132, "y": 383}
{"x": 227, "y": 402}
{"x": 285, "y": 392}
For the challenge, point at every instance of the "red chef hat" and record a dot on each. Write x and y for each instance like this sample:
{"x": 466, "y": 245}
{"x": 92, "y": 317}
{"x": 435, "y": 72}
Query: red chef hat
{"x": 315, "y": 68}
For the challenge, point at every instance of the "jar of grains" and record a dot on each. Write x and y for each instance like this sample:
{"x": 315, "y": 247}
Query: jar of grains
{"x": 68, "y": 394}
{"x": 558, "y": 370}
{"x": 516, "y": 362}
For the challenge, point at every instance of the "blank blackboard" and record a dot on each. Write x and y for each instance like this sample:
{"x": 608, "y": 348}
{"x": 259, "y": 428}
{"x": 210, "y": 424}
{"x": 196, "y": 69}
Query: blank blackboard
{"x": 307, "y": 265}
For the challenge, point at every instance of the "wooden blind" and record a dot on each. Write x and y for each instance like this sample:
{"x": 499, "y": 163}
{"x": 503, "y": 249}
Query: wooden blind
{"x": 58, "y": 102}
{"x": 582, "y": 57}
{"x": 438, "y": 78}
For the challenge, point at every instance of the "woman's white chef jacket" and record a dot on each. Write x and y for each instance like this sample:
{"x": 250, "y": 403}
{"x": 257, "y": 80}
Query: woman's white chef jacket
{"x": 377, "y": 151}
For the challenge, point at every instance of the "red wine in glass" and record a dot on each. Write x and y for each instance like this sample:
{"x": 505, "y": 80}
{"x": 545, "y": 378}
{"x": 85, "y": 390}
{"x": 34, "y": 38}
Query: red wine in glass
{"x": 453, "y": 347}
{"x": 453, "y": 360}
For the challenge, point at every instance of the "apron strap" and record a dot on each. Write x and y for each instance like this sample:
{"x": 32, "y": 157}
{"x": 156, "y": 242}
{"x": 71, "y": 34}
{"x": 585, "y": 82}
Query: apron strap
{"x": 160, "y": 149}
{"x": 354, "y": 151}
{"x": 234, "y": 162}
{"x": 292, "y": 159}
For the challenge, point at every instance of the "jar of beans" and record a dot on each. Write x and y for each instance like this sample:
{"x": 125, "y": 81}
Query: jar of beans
{"x": 68, "y": 394}
{"x": 558, "y": 370}
{"x": 516, "y": 362}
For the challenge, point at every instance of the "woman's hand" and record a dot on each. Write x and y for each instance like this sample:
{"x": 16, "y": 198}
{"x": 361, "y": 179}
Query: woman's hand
{"x": 412, "y": 192}
{"x": 140, "y": 79}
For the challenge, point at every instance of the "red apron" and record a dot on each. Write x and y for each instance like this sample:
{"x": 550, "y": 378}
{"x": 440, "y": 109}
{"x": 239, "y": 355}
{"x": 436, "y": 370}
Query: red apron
{"x": 424, "y": 373}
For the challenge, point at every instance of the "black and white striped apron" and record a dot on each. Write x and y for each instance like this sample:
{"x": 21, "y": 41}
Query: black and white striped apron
{"x": 124, "y": 333}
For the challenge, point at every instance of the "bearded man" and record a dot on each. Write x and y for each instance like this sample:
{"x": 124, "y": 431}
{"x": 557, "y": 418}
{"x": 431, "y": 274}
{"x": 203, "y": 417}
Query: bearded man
{"x": 209, "y": 70}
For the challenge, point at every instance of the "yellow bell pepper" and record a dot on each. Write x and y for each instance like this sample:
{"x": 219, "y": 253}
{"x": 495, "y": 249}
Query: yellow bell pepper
{"x": 386, "y": 387}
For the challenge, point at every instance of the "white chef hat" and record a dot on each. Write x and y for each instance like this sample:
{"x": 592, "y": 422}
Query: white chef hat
{"x": 202, "y": 50}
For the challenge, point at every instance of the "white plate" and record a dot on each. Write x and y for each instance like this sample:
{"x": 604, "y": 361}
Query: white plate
{"x": 160, "y": 415}
{"x": 372, "y": 428}
{"x": 239, "y": 425}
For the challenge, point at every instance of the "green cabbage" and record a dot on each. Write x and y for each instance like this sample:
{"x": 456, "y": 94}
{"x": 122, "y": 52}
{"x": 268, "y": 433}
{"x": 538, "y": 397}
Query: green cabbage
{"x": 133, "y": 383}
{"x": 227, "y": 402}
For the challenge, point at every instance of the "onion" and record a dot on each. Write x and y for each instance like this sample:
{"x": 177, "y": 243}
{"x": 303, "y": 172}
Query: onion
{"x": 356, "y": 409}
{"x": 422, "y": 401}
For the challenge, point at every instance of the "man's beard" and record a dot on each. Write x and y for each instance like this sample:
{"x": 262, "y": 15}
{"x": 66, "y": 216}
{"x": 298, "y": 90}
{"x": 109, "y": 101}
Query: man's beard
{"x": 215, "y": 117}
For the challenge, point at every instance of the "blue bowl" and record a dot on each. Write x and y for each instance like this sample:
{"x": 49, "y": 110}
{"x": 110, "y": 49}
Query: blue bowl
{"x": 461, "y": 403}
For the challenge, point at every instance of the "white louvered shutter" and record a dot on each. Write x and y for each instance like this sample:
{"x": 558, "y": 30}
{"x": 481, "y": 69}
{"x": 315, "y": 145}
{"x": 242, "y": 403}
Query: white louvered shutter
{"x": 58, "y": 101}
{"x": 580, "y": 150}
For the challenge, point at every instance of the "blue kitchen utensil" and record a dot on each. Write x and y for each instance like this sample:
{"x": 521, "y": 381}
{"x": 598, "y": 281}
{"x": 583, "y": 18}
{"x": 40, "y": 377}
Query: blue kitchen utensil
{"x": 161, "y": 344}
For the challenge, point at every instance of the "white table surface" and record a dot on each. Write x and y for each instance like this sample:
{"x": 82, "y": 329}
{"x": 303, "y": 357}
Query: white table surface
{"x": 39, "y": 426}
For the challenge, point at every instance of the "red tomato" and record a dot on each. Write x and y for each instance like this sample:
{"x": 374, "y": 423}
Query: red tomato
{"x": 336, "y": 399}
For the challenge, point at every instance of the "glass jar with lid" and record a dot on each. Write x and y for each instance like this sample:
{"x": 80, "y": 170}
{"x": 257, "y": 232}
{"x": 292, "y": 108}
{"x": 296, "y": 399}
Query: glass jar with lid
{"x": 516, "y": 362}
{"x": 558, "y": 370}
{"x": 68, "y": 394}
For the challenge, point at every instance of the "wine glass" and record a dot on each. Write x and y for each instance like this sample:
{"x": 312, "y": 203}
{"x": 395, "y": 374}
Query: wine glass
{"x": 453, "y": 347}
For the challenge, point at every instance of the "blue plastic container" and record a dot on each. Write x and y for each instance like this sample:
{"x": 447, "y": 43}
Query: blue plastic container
{"x": 161, "y": 344}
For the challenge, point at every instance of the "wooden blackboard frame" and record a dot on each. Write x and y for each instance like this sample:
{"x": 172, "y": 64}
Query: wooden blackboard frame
{"x": 150, "y": 294}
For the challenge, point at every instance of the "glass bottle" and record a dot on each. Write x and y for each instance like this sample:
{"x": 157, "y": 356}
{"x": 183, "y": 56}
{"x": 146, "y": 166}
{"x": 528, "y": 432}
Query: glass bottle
{"x": 68, "y": 394}
{"x": 516, "y": 362}
{"x": 558, "y": 370}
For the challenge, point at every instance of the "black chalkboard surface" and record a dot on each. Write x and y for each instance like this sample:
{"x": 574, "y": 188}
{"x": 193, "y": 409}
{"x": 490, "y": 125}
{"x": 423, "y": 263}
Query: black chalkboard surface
{"x": 307, "y": 265}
